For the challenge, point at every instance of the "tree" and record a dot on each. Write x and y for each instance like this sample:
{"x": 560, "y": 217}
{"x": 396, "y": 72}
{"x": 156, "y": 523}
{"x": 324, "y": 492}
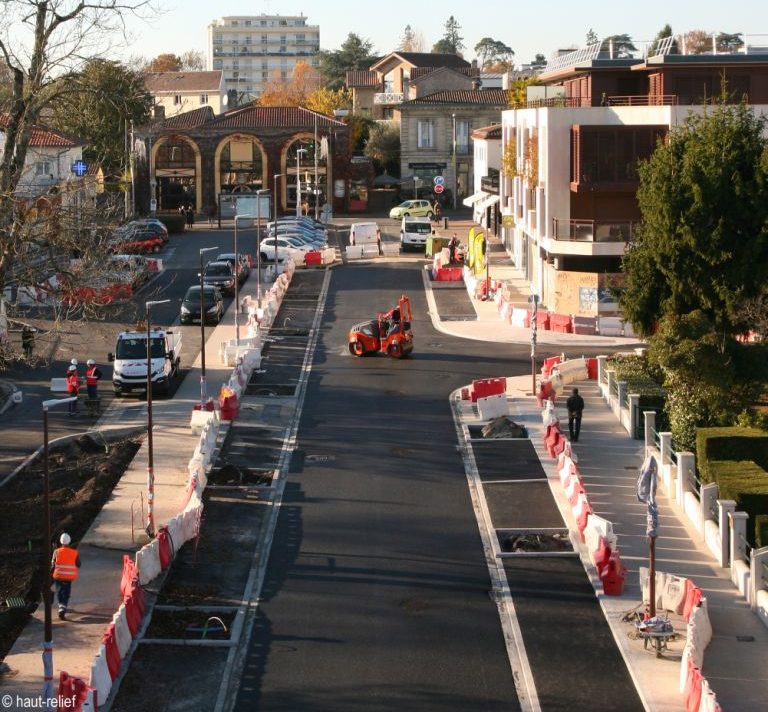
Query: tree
{"x": 411, "y": 41}
{"x": 518, "y": 92}
{"x": 98, "y": 106}
{"x": 278, "y": 92}
{"x": 326, "y": 101}
{"x": 354, "y": 53}
{"x": 451, "y": 42}
{"x": 165, "y": 63}
{"x": 729, "y": 43}
{"x": 697, "y": 42}
{"x": 662, "y": 34}
{"x": 490, "y": 51}
{"x": 539, "y": 61}
{"x": 192, "y": 61}
{"x": 592, "y": 37}
{"x": 622, "y": 45}
{"x": 383, "y": 147}
{"x": 703, "y": 238}
{"x": 42, "y": 44}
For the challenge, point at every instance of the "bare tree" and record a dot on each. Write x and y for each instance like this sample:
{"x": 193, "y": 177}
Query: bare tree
{"x": 42, "y": 44}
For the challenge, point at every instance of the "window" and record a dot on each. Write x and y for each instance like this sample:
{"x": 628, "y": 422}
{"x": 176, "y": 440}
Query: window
{"x": 203, "y": 98}
{"x": 43, "y": 168}
{"x": 425, "y": 134}
{"x": 217, "y": 64}
{"x": 177, "y": 99}
{"x": 247, "y": 23}
{"x": 462, "y": 137}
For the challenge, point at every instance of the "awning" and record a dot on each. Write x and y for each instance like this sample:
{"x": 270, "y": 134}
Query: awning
{"x": 472, "y": 199}
{"x": 486, "y": 202}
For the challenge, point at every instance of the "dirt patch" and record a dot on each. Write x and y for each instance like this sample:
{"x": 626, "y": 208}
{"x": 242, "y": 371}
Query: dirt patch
{"x": 190, "y": 624}
{"x": 534, "y": 542}
{"x": 83, "y": 473}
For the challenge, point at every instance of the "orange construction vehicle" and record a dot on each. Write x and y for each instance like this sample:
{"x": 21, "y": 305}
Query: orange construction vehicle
{"x": 390, "y": 333}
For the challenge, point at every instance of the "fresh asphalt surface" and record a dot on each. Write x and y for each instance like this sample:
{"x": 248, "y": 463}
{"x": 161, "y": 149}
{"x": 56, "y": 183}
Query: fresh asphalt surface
{"x": 376, "y": 591}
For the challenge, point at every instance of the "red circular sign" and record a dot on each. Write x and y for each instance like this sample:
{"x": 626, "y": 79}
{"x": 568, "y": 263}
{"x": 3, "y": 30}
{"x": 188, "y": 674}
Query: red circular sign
{"x": 438, "y": 189}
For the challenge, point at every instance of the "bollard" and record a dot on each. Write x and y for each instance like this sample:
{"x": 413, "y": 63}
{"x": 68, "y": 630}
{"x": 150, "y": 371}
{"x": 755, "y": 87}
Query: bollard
{"x": 445, "y": 223}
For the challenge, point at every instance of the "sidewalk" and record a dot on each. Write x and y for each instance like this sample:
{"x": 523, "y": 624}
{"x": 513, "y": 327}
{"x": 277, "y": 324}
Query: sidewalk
{"x": 119, "y": 527}
{"x": 609, "y": 460}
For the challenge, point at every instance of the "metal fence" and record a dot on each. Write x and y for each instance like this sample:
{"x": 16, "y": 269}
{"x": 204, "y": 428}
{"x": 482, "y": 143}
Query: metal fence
{"x": 694, "y": 482}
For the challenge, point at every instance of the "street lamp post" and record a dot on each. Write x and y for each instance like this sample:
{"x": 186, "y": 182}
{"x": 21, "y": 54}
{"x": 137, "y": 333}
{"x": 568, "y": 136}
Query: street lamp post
{"x": 150, "y": 451}
{"x": 48, "y": 689}
{"x": 274, "y": 206}
{"x": 237, "y": 286}
{"x": 299, "y": 151}
{"x": 258, "y": 245}
{"x": 534, "y": 299}
{"x": 455, "y": 164}
{"x": 203, "y": 387}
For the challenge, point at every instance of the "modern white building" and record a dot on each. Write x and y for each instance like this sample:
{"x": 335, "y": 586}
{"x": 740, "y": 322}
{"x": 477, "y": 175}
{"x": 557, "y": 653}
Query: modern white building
{"x": 253, "y": 50}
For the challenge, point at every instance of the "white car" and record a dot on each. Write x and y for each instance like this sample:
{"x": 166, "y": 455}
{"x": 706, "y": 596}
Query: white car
{"x": 285, "y": 250}
{"x": 414, "y": 233}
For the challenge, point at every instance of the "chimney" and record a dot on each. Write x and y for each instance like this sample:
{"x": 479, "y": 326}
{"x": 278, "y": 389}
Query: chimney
{"x": 477, "y": 83}
{"x": 158, "y": 111}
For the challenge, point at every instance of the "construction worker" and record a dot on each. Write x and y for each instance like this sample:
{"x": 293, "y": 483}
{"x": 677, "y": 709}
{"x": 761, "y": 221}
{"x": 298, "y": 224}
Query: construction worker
{"x": 92, "y": 378}
{"x": 73, "y": 388}
{"x": 65, "y": 568}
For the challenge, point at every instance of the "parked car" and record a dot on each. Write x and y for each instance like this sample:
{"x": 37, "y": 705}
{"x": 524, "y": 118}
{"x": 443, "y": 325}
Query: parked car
{"x": 158, "y": 225}
{"x": 306, "y": 230}
{"x": 213, "y": 304}
{"x": 241, "y": 266}
{"x": 285, "y": 251}
{"x": 412, "y": 208}
{"x": 136, "y": 241}
{"x": 221, "y": 275}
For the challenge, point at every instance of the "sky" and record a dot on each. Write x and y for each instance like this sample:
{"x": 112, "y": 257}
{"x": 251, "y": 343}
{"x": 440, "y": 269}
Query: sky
{"x": 527, "y": 27}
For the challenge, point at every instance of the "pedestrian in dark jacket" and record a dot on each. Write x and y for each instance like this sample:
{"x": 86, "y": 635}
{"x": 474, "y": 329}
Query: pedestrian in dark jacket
{"x": 575, "y": 406}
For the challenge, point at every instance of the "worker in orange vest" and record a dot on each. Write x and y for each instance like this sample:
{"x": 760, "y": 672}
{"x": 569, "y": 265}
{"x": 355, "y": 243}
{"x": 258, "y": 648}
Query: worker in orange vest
{"x": 73, "y": 388}
{"x": 65, "y": 568}
{"x": 92, "y": 377}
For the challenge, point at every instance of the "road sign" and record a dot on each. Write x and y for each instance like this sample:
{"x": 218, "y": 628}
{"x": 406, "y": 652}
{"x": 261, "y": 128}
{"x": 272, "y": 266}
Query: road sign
{"x": 439, "y": 180}
{"x": 439, "y": 189}
{"x": 79, "y": 168}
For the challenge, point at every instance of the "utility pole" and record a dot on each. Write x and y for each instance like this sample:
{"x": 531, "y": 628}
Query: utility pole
{"x": 534, "y": 299}
{"x": 316, "y": 191}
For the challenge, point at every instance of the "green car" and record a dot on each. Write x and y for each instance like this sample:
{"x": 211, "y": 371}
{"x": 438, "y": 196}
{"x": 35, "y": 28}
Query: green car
{"x": 412, "y": 208}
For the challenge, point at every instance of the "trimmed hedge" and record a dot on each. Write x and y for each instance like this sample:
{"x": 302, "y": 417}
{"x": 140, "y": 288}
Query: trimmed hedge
{"x": 173, "y": 221}
{"x": 761, "y": 530}
{"x": 731, "y": 443}
{"x": 745, "y": 482}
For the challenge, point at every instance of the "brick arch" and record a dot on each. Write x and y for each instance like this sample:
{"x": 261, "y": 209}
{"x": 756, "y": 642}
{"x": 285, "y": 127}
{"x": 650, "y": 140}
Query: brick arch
{"x": 217, "y": 158}
{"x": 289, "y": 172}
{"x": 198, "y": 163}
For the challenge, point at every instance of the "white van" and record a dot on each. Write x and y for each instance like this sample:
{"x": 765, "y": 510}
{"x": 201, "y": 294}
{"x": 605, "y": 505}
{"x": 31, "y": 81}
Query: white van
{"x": 365, "y": 233}
{"x": 414, "y": 232}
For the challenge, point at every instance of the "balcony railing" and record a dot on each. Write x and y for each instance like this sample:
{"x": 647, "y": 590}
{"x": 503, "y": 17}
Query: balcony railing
{"x": 592, "y": 230}
{"x": 388, "y": 97}
{"x": 571, "y": 102}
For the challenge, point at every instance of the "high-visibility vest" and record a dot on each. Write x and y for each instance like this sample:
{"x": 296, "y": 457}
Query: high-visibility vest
{"x": 65, "y": 564}
{"x": 91, "y": 379}
{"x": 73, "y": 384}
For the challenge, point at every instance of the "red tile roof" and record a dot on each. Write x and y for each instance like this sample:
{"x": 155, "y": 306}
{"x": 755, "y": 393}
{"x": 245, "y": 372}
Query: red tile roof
{"x": 41, "y": 137}
{"x": 253, "y": 116}
{"x": 182, "y": 81}
{"x": 419, "y": 72}
{"x": 432, "y": 59}
{"x": 188, "y": 119}
{"x": 484, "y": 97}
{"x": 488, "y": 132}
{"x": 362, "y": 78}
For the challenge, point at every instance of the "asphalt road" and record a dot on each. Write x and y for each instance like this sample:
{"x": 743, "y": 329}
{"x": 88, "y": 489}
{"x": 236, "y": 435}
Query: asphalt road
{"x": 376, "y": 594}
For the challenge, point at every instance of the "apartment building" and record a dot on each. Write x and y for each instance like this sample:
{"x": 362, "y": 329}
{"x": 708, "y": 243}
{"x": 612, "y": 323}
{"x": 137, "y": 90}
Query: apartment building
{"x": 569, "y": 163}
{"x": 252, "y": 50}
{"x": 177, "y": 92}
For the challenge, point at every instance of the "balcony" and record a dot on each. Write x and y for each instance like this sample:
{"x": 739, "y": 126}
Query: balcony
{"x": 589, "y": 238}
{"x": 573, "y": 102}
{"x": 388, "y": 98}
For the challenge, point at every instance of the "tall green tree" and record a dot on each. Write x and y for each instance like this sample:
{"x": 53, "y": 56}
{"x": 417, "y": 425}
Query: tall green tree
{"x": 99, "y": 106}
{"x": 662, "y": 34}
{"x": 703, "y": 239}
{"x": 383, "y": 147}
{"x": 729, "y": 42}
{"x": 592, "y": 37}
{"x": 451, "y": 42}
{"x": 411, "y": 41}
{"x": 490, "y": 51}
{"x": 354, "y": 53}
{"x": 622, "y": 45}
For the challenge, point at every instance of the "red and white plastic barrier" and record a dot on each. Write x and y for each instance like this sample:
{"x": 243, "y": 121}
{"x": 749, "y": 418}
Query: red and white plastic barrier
{"x": 100, "y": 679}
{"x": 148, "y": 561}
